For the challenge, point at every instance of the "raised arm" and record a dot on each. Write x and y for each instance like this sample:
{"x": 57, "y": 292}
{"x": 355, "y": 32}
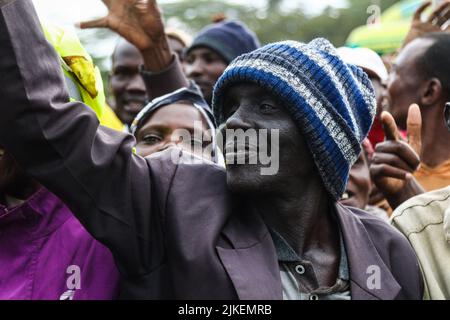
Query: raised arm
{"x": 91, "y": 168}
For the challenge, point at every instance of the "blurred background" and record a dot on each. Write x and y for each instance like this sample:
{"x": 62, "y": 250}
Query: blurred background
{"x": 377, "y": 24}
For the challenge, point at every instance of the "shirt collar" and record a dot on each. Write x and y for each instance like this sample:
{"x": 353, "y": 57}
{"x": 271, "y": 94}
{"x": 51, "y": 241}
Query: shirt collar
{"x": 286, "y": 253}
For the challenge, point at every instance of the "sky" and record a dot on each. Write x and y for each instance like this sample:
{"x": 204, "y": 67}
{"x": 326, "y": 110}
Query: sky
{"x": 67, "y": 12}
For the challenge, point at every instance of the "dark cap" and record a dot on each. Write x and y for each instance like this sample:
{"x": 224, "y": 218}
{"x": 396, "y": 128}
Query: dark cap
{"x": 191, "y": 94}
{"x": 229, "y": 39}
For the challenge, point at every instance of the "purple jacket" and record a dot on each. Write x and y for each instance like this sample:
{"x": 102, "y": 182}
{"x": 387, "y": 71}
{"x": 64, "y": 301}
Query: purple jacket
{"x": 45, "y": 253}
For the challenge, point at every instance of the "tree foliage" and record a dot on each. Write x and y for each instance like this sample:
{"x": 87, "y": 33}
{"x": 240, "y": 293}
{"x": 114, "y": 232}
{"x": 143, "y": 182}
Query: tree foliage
{"x": 272, "y": 22}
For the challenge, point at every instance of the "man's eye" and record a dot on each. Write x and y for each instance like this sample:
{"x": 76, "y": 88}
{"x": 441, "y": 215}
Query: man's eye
{"x": 209, "y": 59}
{"x": 151, "y": 139}
{"x": 117, "y": 74}
{"x": 189, "y": 59}
{"x": 267, "y": 108}
{"x": 123, "y": 73}
{"x": 120, "y": 76}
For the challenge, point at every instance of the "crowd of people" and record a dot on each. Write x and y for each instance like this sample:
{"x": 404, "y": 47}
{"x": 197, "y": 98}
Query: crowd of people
{"x": 164, "y": 191}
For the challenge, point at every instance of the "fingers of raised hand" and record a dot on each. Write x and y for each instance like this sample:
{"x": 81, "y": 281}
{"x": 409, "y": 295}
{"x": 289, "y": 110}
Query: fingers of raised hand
{"x": 420, "y": 10}
{"x": 414, "y": 128}
{"x": 444, "y": 18}
{"x": 392, "y": 160}
{"x": 389, "y": 126}
{"x": 96, "y": 23}
{"x": 408, "y": 159}
{"x": 382, "y": 171}
{"x": 439, "y": 16}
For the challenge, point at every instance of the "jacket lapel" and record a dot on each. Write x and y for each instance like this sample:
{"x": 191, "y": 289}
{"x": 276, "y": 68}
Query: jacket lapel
{"x": 369, "y": 276}
{"x": 252, "y": 262}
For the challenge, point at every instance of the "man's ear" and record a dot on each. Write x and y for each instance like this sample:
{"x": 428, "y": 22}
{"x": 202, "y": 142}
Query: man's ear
{"x": 431, "y": 92}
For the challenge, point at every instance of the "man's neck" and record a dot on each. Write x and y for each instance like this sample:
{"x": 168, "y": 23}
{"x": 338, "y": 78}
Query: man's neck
{"x": 301, "y": 215}
{"x": 435, "y": 137}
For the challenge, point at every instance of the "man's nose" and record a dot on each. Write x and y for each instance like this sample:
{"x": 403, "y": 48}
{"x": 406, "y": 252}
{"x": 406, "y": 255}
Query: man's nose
{"x": 238, "y": 120}
{"x": 195, "y": 69}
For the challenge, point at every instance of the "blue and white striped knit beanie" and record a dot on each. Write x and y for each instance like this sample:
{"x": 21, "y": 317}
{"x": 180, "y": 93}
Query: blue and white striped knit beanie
{"x": 332, "y": 102}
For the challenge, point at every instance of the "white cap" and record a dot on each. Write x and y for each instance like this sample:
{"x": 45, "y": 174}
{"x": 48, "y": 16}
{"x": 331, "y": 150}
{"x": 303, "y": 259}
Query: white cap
{"x": 366, "y": 59}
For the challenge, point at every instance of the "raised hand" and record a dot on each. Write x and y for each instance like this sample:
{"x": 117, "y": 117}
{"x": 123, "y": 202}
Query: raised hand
{"x": 138, "y": 21}
{"x": 395, "y": 160}
{"x": 434, "y": 23}
{"x": 141, "y": 23}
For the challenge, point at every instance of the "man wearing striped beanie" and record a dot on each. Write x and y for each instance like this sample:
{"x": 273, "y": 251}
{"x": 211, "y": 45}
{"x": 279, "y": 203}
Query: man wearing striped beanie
{"x": 331, "y": 103}
{"x": 320, "y": 110}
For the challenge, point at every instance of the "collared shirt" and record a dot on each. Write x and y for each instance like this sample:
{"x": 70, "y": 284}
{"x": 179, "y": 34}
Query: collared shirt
{"x": 425, "y": 221}
{"x": 299, "y": 280}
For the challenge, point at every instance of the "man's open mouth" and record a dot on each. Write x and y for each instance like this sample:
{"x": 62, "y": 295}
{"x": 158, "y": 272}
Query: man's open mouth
{"x": 234, "y": 152}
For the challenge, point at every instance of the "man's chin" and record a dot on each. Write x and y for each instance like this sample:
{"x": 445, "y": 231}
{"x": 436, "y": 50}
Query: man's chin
{"x": 244, "y": 179}
{"x": 127, "y": 118}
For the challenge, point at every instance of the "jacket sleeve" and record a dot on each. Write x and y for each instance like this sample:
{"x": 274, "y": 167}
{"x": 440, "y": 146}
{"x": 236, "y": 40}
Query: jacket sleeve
{"x": 90, "y": 167}
{"x": 166, "y": 81}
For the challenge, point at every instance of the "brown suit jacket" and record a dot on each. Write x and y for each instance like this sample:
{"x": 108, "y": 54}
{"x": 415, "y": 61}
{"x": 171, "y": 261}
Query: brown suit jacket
{"x": 174, "y": 229}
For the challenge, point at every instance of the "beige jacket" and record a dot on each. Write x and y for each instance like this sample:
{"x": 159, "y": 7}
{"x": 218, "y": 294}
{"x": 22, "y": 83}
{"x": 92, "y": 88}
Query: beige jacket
{"x": 425, "y": 221}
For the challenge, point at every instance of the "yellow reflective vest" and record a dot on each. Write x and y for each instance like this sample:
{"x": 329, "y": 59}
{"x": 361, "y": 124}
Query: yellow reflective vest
{"x": 83, "y": 78}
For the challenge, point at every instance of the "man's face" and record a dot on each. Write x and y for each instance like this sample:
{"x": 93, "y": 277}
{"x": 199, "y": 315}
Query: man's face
{"x": 359, "y": 185}
{"x": 247, "y": 107}
{"x": 127, "y": 85}
{"x": 161, "y": 130}
{"x": 204, "y": 66}
{"x": 405, "y": 80}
